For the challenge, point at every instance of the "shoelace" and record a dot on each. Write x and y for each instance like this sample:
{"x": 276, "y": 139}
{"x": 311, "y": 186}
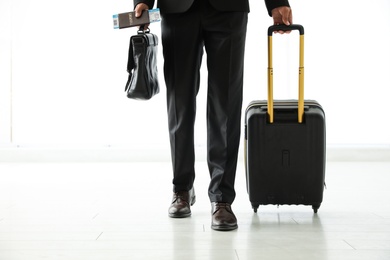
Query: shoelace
{"x": 179, "y": 195}
{"x": 221, "y": 205}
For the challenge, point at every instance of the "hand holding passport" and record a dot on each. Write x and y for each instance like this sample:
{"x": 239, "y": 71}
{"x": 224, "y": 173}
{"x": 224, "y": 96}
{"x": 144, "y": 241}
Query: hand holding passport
{"x": 129, "y": 19}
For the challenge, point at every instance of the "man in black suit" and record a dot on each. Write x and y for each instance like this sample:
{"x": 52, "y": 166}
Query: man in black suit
{"x": 219, "y": 27}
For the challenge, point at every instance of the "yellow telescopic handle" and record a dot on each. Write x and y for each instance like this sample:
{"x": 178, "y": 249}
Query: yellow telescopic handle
{"x": 270, "y": 108}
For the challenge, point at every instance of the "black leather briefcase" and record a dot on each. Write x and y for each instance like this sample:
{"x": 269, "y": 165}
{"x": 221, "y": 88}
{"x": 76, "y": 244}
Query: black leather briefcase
{"x": 142, "y": 83}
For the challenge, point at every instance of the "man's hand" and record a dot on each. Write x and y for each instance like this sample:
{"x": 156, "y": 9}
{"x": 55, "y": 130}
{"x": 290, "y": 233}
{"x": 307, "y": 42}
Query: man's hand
{"x": 138, "y": 11}
{"x": 281, "y": 15}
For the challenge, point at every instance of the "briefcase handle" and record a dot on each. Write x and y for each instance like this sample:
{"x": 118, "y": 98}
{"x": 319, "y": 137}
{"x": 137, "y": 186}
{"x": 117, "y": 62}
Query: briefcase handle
{"x": 141, "y": 29}
{"x": 270, "y": 107}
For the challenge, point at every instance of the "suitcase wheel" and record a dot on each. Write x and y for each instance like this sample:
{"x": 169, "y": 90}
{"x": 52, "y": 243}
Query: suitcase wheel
{"x": 316, "y": 207}
{"x": 255, "y": 207}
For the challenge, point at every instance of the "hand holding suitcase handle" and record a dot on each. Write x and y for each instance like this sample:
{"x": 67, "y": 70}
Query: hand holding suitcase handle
{"x": 283, "y": 27}
{"x": 270, "y": 107}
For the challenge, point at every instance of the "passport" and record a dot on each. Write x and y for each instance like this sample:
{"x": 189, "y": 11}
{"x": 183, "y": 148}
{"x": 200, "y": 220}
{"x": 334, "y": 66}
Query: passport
{"x": 126, "y": 20}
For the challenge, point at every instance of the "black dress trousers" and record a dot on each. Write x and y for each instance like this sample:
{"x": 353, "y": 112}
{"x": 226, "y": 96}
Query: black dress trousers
{"x": 184, "y": 37}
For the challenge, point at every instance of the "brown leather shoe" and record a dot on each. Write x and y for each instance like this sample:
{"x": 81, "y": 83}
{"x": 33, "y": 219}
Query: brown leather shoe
{"x": 181, "y": 202}
{"x": 222, "y": 217}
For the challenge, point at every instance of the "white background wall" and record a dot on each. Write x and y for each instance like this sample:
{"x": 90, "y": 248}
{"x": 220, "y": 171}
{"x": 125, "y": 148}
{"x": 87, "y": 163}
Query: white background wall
{"x": 63, "y": 71}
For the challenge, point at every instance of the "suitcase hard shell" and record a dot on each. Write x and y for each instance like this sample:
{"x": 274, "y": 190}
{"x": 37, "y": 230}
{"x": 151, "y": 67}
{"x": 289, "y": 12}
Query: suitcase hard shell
{"x": 285, "y": 149}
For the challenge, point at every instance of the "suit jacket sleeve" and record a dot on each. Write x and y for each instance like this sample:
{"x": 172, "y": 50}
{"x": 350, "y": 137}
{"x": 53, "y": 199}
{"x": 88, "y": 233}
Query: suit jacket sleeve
{"x": 271, "y": 4}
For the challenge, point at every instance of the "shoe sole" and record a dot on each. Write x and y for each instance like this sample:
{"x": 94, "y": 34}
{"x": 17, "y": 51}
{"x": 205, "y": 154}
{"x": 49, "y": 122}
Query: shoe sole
{"x": 224, "y": 228}
{"x": 180, "y": 216}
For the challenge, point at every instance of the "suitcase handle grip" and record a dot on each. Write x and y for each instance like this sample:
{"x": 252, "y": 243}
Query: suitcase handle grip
{"x": 283, "y": 27}
{"x": 270, "y": 108}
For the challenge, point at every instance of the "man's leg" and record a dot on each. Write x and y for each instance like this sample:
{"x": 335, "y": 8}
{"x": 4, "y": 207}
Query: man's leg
{"x": 182, "y": 49}
{"x": 225, "y": 44}
{"x": 225, "y": 59}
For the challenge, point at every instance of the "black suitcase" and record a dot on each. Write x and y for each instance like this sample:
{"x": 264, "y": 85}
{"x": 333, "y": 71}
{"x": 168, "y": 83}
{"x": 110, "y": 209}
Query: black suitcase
{"x": 285, "y": 145}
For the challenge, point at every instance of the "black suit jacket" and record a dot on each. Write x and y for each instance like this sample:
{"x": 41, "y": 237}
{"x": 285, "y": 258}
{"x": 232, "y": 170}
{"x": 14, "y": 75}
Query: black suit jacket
{"x": 180, "y": 6}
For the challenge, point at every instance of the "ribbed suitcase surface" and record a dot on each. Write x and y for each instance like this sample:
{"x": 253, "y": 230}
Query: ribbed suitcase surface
{"x": 285, "y": 160}
{"x": 285, "y": 144}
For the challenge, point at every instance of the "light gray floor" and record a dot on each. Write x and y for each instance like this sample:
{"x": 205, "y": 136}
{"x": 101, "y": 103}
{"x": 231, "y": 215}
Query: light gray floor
{"x": 119, "y": 211}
